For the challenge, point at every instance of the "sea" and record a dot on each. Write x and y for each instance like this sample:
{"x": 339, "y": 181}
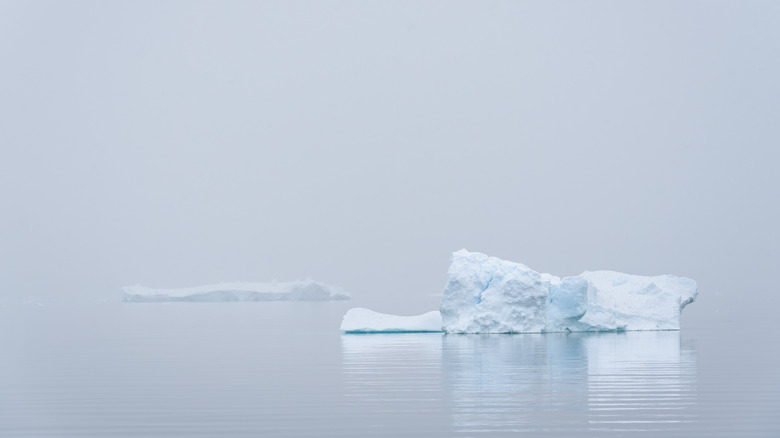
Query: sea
{"x": 283, "y": 369}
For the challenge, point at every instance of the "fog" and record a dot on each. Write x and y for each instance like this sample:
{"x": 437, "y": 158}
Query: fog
{"x": 360, "y": 143}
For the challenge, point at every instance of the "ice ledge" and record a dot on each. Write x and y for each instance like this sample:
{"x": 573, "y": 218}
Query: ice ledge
{"x": 361, "y": 320}
{"x": 299, "y": 290}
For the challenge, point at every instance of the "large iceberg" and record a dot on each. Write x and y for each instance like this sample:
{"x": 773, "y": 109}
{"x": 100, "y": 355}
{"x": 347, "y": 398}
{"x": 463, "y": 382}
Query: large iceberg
{"x": 489, "y": 295}
{"x": 300, "y": 290}
{"x": 360, "y": 320}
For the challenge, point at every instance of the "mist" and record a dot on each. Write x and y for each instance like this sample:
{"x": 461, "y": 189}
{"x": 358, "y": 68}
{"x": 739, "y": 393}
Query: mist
{"x": 359, "y": 143}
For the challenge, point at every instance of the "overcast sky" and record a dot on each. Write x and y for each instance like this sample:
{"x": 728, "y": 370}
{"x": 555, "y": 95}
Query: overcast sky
{"x": 359, "y": 143}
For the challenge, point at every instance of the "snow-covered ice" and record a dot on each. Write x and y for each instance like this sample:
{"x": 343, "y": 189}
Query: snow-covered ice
{"x": 299, "y": 290}
{"x": 361, "y": 320}
{"x": 489, "y": 295}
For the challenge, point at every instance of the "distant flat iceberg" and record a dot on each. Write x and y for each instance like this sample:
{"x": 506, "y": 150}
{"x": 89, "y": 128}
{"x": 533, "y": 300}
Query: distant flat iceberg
{"x": 299, "y": 290}
{"x": 361, "y": 320}
{"x": 489, "y": 295}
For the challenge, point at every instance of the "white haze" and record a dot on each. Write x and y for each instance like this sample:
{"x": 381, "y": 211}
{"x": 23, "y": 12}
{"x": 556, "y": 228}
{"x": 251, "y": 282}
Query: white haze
{"x": 360, "y": 143}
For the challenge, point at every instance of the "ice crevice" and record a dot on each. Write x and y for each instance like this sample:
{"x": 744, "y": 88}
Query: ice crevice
{"x": 487, "y": 285}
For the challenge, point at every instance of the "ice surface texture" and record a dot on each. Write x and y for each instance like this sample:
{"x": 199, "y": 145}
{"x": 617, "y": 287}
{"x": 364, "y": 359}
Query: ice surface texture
{"x": 360, "y": 320}
{"x": 300, "y": 290}
{"x": 489, "y": 295}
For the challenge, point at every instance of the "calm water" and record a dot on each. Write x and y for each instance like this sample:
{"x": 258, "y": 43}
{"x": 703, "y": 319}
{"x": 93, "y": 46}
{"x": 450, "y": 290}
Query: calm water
{"x": 283, "y": 369}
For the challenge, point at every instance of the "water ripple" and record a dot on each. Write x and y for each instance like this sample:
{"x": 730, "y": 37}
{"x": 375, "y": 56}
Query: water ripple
{"x": 593, "y": 384}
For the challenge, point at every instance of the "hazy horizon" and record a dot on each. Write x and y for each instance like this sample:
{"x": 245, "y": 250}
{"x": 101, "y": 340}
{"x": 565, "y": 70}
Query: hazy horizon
{"x": 176, "y": 143}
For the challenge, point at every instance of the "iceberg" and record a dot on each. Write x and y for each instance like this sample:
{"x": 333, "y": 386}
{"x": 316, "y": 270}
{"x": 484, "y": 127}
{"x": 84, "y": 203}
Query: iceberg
{"x": 361, "y": 320}
{"x": 299, "y": 290}
{"x": 489, "y": 295}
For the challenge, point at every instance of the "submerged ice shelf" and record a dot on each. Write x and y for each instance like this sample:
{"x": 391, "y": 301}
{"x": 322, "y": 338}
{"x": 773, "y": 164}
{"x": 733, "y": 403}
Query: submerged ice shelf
{"x": 299, "y": 290}
{"x": 360, "y": 320}
{"x": 489, "y": 295}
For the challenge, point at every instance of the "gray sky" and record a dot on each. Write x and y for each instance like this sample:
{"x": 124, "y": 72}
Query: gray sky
{"x": 359, "y": 143}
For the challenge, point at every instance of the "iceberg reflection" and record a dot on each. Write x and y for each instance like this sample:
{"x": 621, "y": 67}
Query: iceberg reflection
{"x": 583, "y": 382}
{"x": 591, "y": 384}
{"x": 640, "y": 382}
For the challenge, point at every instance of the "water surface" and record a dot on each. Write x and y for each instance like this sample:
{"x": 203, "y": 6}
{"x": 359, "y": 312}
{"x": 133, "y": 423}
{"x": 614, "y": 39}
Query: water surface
{"x": 284, "y": 369}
